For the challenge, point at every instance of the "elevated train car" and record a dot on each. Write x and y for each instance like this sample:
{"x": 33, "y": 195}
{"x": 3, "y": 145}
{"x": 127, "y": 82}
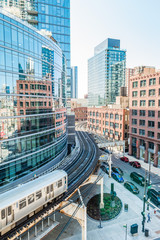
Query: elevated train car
{"x": 22, "y": 202}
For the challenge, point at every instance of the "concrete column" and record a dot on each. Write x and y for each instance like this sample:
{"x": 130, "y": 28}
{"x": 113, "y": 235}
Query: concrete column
{"x": 146, "y": 152}
{"x": 84, "y": 223}
{"x": 35, "y": 231}
{"x": 102, "y": 201}
{"x": 138, "y": 149}
{"x": 130, "y": 146}
{"x": 156, "y": 155}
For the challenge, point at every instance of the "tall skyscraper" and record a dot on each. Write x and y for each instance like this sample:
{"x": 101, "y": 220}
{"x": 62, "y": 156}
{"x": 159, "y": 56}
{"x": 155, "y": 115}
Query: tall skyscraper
{"x": 32, "y": 99}
{"x": 106, "y": 73}
{"x": 51, "y": 15}
{"x": 74, "y": 82}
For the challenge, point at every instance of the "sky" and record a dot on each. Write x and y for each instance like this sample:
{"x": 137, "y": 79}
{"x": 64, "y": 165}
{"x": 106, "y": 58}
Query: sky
{"x": 135, "y": 22}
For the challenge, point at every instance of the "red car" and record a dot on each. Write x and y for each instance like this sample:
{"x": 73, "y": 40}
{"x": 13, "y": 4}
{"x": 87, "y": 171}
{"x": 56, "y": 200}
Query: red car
{"x": 135, "y": 164}
{"x": 124, "y": 159}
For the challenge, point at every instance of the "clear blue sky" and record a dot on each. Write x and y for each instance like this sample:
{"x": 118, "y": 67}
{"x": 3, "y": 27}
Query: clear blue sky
{"x": 135, "y": 22}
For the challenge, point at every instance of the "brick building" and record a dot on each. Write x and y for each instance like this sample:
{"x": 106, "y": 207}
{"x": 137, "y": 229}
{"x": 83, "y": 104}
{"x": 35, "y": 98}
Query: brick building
{"x": 111, "y": 122}
{"x": 144, "y": 116}
{"x": 80, "y": 113}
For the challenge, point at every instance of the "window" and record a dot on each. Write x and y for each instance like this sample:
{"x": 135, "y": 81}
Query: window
{"x": 158, "y": 103}
{"x": 141, "y": 132}
{"x": 151, "y": 103}
{"x": 51, "y": 187}
{"x": 21, "y": 104}
{"x": 142, "y": 122}
{"x": 38, "y": 195}
{"x": 143, "y": 93}
{"x": 134, "y": 112}
{"x": 150, "y": 134}
{"x": 158, "y": 124}
{"x": 134, "y": 103}
{"x": 111, "y": 124}
{"x": 151, "y": 113}
{"x": 27, "y": 104}
{"x": 152, "y": 92}
{"x": 26, "y": 86}
{"x": 150, "y": 123}
{"x": 3, "y": 214}
{"x": 142, "y": 103}
{"x": 116, "y": 125}
{"x": 21, "y": 86}
{"x": 142, "y": 142}
{"x": 97, "y": 114}
{"x": 107, "y": 124}
{"x": 116, "y": 116}
{"x": 22, "y": 203}
{"x": 111, "y": 116}
{"x": 134, "y": 121}
{"x": 135, "y": 84}
{"x": 30, "y": 198}
{"x": 151, "y": 145}
{"x": 143, "y": 83}
{"x": 152, "y": 81}
{"x": 142, "y": 113}
{"x": 9, "y": 210}
{"x": 60, "y": 183}
{"x": 134, "y": 130}
{"x": 111, "y": 131}
{"x": 134, "y": 94}
{"x": 106, "y": 115}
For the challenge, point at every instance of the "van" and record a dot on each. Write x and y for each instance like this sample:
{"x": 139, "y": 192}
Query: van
{"x": 154, "y": 196}
{"x": 137, "y": 178}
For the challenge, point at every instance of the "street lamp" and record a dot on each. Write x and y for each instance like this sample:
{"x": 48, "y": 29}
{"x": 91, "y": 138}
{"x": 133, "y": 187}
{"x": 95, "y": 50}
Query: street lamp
{"x": 144, "y": 202}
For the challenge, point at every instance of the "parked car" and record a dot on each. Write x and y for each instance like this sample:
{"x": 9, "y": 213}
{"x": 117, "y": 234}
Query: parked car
{"x": 131, "y": 187}
{"x": 117, "y": 177}
{"x": 117, "y": 170}
{"x": 124, "y": 159}
{"x": 105, "y": 169}
{"x": 136, "y": 177}
{"x": 154, "y": 196}
{"x": 135, "y": 164}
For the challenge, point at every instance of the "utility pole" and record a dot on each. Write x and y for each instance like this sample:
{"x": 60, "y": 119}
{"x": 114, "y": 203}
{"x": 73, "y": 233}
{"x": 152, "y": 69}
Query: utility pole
{"x": 144, "y": 202}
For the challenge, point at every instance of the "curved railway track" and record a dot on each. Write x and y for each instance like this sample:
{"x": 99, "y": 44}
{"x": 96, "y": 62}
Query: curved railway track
{"x": 78, "y": 171}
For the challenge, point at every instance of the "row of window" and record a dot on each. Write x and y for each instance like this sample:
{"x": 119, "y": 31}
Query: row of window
{"x": 107, "y": 115}
{"x": 143, "y": 113}
{"x": 151, "y": 134}
{"x": 143, "y": 123}
{"x": 151, "y": 92}
{"x": 143, "y": 83}
{"x": 151, "y": 103}
{"x": 34, "y": 87}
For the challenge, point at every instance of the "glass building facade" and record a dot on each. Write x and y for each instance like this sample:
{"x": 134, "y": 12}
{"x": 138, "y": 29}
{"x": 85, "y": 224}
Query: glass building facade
{"x": 106, "y": 73}
{"x": 74, "y": 82}
{"x": 32, "y": 98}
{"x": 51, "y": 15}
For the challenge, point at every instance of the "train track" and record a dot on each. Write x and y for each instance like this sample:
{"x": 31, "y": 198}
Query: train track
{"x": 78, "y": 171}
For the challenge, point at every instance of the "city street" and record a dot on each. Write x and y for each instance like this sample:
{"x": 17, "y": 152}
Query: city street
{"x": 127, "y": 169}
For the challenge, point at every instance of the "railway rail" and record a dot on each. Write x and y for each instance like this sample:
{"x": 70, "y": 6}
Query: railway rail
{"x": 78, "y": 171}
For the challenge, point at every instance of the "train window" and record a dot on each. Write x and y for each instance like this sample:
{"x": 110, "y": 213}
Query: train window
{"x": 65, "y": 180}
{"x": 47, "y": 189}
{"x": 9, "y": 210}
{"x": 3, "y": 214}
{"x": 30, "y": 198}
{"x": 51, "y": 188}
{"x": 59, "y": 183}
{"x": 38, "y": 195}
{"x": 22, "y": 203}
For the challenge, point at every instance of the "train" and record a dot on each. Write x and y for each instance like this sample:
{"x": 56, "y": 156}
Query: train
{"x": 24, "y": 201}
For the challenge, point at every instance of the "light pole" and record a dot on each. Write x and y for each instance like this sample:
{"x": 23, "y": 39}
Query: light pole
{"x": 144, "y": 203}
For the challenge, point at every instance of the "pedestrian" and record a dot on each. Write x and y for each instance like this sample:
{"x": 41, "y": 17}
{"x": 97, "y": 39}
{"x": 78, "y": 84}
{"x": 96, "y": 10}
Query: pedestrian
{"x": 149, "y": 217}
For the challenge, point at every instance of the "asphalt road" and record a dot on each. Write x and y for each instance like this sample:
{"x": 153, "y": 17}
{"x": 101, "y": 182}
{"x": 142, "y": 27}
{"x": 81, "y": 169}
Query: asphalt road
{"x": 127, "y": 169}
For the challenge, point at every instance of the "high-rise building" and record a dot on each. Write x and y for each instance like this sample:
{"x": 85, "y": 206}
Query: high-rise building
{"x": 129, "y": 73}
{"x": 106, "y": 73}
{"x": 74, "y": 82}
{"x": 144, "y": 117}
{"x": 32, "y": 99}
{"x": 51, "y": 15}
